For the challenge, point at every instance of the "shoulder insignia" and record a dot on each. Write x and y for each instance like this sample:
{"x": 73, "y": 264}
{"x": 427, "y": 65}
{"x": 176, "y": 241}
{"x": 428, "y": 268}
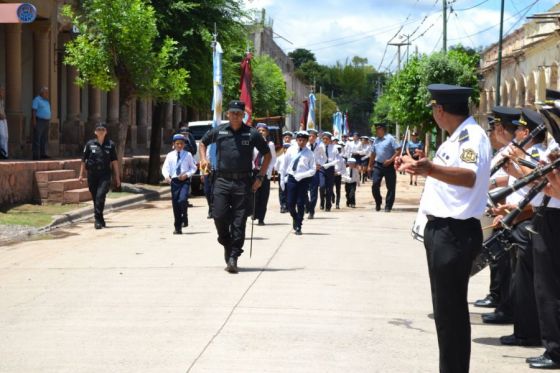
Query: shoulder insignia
{"x": 469, "y": 156}
{"x": 223, "y": 132}
{"x": 536, "y": 155}
{"x": 463, "y": 136}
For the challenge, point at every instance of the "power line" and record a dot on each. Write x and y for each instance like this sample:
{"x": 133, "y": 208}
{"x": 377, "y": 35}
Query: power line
{"x": 472, "y": 7}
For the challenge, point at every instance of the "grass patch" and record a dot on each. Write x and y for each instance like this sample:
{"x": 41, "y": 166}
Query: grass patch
{"x": 118, "y": 194}
{"x": 35, "y": 215}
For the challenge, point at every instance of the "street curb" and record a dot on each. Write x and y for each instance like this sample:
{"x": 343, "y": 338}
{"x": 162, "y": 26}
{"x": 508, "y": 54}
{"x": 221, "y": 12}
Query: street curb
{"x": 87, "y": 212}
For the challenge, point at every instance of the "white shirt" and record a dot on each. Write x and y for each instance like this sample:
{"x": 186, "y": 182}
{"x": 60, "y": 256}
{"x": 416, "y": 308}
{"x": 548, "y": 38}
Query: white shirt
{"x": 318, "y": 152}
{"x": 272, "y": 160}
{"x": 305, "y": 165}
{"x": 468, "y": 147}
{"x": 352, "y": 175}
{"x": 330, "y": 155}
{"x": 340, "y": 166}
{"x": 554, "y": 202}
{"x": 517, "y": 196}
{"x": 169, "y": 168}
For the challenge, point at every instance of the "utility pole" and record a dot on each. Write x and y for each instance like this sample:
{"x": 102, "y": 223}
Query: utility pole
{"x": 399, "y": 45}
{"x": 499, "y": 66}
{"x": 444, "y": 26}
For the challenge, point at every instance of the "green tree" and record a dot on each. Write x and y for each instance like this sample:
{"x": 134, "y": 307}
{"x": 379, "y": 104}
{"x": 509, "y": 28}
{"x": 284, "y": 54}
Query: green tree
{"x": 300, "y": 56}
{"x": 325, "y": 111}
{"x": 115, "y": 45}
{"x": 406, "y": 94}
{"x": 191, "y": 24}
{"x": 269, "y": 88}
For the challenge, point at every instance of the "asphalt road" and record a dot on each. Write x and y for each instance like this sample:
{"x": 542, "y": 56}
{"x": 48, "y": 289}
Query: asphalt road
{"x": 350, "y": 295}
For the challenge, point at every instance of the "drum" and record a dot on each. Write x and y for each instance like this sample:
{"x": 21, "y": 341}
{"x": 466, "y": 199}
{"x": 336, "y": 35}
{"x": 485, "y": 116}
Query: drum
{"x": 493, "y": 248}
{"x": 486, "y": 221}
{"x": 418, "y": 226}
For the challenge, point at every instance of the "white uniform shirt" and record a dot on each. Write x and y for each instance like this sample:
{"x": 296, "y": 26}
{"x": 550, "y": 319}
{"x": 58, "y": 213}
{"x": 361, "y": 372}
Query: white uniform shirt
{"x": 318, "y": 152}
{"x": 169, "y": 168}
{"x": 340, "y": 166}
{"x": 554, "y": 202}
{"x": 468, "y": 147}
{"x": 330, "y": 154}
{"x": 517, "y": 196}
{"x": 352, "y": 175}
{"x": 272, "y": 159}
{"x": 305, "y": 164}
{"x": 351, "y": 147}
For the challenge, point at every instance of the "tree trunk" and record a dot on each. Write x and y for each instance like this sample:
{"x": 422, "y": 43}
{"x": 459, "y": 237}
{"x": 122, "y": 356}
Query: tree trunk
{"x": 154, "y": 168}
{"x": 124, "y": 121}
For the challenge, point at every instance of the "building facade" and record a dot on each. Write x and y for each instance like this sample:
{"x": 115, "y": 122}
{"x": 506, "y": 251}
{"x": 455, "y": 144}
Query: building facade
{"x": 530, "y": 61}
{"x": 31, "y": 57}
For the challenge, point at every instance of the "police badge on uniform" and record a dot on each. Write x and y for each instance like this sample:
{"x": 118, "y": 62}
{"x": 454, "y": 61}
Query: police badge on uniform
{"x": 469, "y": 156}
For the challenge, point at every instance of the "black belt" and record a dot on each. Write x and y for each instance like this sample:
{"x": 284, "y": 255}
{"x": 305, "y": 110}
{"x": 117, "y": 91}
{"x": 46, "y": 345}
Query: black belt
{"x": 433, "y": 218}
{"x": 42, "y": 119}
{"x": 234, "y": 175}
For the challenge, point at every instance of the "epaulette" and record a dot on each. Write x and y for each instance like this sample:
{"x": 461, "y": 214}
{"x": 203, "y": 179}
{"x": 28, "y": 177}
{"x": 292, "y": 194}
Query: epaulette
{"x": 463, "y": 136}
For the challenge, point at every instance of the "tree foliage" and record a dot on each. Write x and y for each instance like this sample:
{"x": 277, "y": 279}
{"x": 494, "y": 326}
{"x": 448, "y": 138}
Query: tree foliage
{"x": 269, "y": 88}
{"x": 300, "y": 56}
{"x": 406, "y": 94}
{"x": 325, "y": 111}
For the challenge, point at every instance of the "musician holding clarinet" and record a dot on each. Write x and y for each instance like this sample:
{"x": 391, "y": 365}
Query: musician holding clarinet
{"x": 454, "y": 199}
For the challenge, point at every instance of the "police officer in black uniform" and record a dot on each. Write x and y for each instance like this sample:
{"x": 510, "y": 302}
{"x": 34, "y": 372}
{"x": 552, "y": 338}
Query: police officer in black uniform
{"x": 99, "y": 157}
{"x": 232, "y": 197}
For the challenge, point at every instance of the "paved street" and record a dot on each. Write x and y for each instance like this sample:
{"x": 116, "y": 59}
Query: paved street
{"x": 350, "y": 295}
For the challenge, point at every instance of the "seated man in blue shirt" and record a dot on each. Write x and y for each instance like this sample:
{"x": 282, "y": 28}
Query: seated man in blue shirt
{"x": 383, "y": 153}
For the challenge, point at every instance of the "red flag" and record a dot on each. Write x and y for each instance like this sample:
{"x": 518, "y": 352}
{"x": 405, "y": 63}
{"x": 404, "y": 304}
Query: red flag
{"x": 246, "y": 79}
{"x": 303, "y": 119}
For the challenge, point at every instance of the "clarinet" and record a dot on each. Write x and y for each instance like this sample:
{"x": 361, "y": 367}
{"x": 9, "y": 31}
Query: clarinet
{"x": 507, "y": 221}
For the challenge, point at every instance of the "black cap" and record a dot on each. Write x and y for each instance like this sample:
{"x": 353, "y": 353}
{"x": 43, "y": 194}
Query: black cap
{"x": 380, "y": 125}
{"x": 303, "y": 134}
{"x": 184, "y": 129}
{"x": 449, "y": 94}
{"x": 530, "y": 119}
{"x": 506, "y": 115}
{"x": 552, "y": 94}
{"x": 101, "y": 125}
{"x": 236, "y": 105}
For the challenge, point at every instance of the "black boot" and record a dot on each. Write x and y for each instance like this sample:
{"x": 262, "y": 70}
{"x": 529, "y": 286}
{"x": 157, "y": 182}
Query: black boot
{"x": 232, "y": 265}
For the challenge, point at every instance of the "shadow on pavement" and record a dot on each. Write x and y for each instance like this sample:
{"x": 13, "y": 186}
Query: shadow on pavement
{"x": 488, "y": 341}
{"x": 269, "y": 269}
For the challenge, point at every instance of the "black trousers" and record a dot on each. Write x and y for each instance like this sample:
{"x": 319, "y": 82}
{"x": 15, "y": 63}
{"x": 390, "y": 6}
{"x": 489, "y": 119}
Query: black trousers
{"x": 98, "y": 185}
{"x": 326, "y": 183}
{"x": 179, "y": 196}
{"x": 525, "y": 317}
{"x": 209, "y": 190}
{"x": 504, "y": 276}
{"x": 313, "y": 193}
{"x": 390, "y": 175}
{"x": 232, "y": 204}
{"x": 296, "y": 193}
{"x": 546, "y": 256}
{"x": 261, "y": 199}
{"x": 40, "y": 138}
{"x": 337, "y": 185}
{"x": 451, "y": 246}
{"x": 494, "y": 281}
{"x": 350, "y": 189}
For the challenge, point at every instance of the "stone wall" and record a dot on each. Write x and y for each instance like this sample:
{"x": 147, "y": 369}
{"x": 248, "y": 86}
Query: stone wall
{"x": 17, "y": 181}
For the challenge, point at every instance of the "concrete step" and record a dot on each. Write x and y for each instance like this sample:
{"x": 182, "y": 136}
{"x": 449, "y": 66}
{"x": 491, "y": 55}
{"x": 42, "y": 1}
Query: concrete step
{"x": 46, "y": 176}
{"x": 66, "y": 184}
{"x": 77, "y": 195}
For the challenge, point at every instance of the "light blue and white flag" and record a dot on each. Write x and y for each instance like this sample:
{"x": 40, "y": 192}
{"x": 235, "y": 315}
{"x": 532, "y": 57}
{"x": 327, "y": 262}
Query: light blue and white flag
{"x": 337, "y": 124}
{"x": 311, "y": 113}
{"x": 217, "y": 98}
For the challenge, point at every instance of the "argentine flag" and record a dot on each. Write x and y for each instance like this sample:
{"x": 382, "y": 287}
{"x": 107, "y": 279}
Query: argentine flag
{"x": 311, "y": 113}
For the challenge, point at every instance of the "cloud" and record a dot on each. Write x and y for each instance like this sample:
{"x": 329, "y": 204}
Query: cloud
{"x": 335, "y": 30}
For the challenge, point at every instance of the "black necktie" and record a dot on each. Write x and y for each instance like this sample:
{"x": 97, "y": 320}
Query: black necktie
{"x": 327, "y": 152}
{"x": 351, "y": 173}
{"x": 178, "y": 170}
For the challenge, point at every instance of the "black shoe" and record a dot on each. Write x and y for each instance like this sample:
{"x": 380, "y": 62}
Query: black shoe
{"x": 322, "y": 207}
{"x": 189, "y": 204}
{"x": 328, "y": 209}
{"x": 209, "y": 216}
{"x": 232, "y": 265}
{"x": 103, "y": 224}
{"x": 338, "y": 207}
{"x": 45, "y": 157}
{"x": 512, "y": 340}
{"x": 294, "y": 224}
{"x": 546, "y": 363}
{"x": 283, "y": 210}
{"x": 177, "y": 231}
{"x": 98, "y": 225}
{"x": 261, "y": 222}
{"x": 496, "y": 318}
{"x": 387, "y": 210}
{"x": 377, "y": 207}
{"x": 311, "y": 215}
{"x": 488, "y": 302}
{"x": 415, "y": 184}
{"x": 298, "y": 231}
{"x": 536, "y": 359}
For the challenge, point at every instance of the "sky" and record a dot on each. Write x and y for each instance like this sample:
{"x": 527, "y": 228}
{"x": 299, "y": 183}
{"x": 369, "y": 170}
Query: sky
{"x": 337, "y": 30}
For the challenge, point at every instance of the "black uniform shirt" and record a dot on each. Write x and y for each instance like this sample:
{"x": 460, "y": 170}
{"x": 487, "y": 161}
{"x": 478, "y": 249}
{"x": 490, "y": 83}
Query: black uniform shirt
{"x": 98, "y": 157}
{"x": 234, "y": 149}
